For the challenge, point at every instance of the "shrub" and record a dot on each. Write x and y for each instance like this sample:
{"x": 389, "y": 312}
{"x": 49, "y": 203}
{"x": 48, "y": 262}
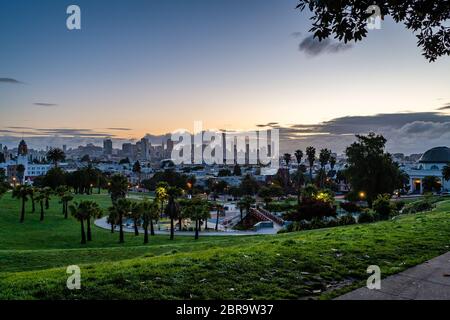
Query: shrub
{"x": 382, "y": 206}
{"x": 350, "y": 207}
{"x": 312, "y": 208}
{"x": 366, "y": 216}
{"x": 346, "y": 220}
{"x": 399, "y": 205}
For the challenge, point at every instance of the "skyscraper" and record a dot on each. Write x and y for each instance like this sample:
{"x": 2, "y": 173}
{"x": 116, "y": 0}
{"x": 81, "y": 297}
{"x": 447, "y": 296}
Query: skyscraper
{"x": 107, "y": 147}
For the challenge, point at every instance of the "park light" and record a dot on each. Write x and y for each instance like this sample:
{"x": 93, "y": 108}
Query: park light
{"x": 189, "y": 185}
{"x": 362, "y": 195}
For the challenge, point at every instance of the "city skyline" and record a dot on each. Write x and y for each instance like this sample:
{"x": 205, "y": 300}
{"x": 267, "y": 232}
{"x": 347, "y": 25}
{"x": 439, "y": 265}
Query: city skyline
{"x": 155, "y": 67}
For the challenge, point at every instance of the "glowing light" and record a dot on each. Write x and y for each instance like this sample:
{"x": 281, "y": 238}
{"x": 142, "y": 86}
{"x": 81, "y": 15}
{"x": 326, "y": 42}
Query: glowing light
{"x": 362, "y": 194}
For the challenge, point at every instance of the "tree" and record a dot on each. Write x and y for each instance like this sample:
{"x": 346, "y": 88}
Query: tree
{"x": 446, "y": 172}
{"x": 249, "y": 185}
{"x": 93, "y": 212}
{"x": 382, "y": 205}
{"x": 311, "y": 155}
{"x": 161, "y": 194}
{"x": 54, "y": 178}
{"x": 299, "y": 156}
{"x": 370, "y": 170}
{"x": 120, "y": 209}
{"x": 135, "y": 214}
{"x": 431, "y": 184}
{"x": 55, "y": 155}
{"x": 47, "y": 192}
{"x": 79, "y": 212}
{"x": 22, "y": 192}
{"x": 237, "y": 170}
{"x": 40, "y": 198}
{"x": 346, "y": 20}
{"x": 219, "y": 210}
{"x": 235, "y": 192}
{"x": 246, "y": 204}
{"x": 118, "y": 187}
{"x": 150, "y": 212}
{"x": 173, "y": 208}
{"x": 112, "y": 218}
{"x": 324, "y": 158}
{"x": 137, "y": 170}
{"x": 85, "y": 158}
{"x": 20, "y": 169}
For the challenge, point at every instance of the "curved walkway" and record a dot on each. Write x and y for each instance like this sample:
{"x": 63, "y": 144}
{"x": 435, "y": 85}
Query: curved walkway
{"x": 101, "y": 223}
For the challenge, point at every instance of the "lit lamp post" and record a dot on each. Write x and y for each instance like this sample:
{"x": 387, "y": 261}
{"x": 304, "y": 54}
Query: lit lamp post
{"x": 14, "y": 181}
{"x": 362, "y": 195}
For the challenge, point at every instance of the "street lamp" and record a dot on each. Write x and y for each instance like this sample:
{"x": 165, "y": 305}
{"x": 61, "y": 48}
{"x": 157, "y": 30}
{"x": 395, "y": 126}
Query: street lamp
{"x": 362, "y": 195}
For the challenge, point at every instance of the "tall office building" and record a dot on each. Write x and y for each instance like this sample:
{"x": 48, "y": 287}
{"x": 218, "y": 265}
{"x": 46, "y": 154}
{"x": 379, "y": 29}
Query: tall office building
{"x": 107, "y": 147}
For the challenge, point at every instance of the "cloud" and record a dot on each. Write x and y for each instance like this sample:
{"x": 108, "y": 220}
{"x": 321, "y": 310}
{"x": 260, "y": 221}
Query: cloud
{"x": 119, "y": 129}
{"x": 296, "y": 34}
{"x": 446, "y": 107}
{"x": 313, "y": 47}
{"x": 42, "y": 104}
{"x": 10, "y": 80}
{"x": 270, "y": 124}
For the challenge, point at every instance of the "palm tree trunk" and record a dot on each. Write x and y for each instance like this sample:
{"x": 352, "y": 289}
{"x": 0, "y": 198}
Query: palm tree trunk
{"x": 310, "y": 172}
{"x": 171, "y": 229}
{"x": 121, "y": 238}
{"x": 179, "y": 222}
{"x": 89, "y": 235}
{"x": 47, "y": 205}
{"x": 136, "y": 230}
{"x": 217, "y": 220}
{"x": 42, "y": 211}
{"x": 240, "y": 210}
{"x": 83, "y": 234}
{"x": 152, "y": 230}
{"x": 197, "y": 225}
{"x": 145, "y": 234}
{"x": 112, "y": 227}
{"x": 33, "y": 206}
{"x": 206, "y": 224}
{"x": 22, "y": 213}
{"x": 65, "y": 209}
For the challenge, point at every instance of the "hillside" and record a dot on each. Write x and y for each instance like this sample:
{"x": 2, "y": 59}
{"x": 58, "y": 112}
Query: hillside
{"x": 317, "y": 263}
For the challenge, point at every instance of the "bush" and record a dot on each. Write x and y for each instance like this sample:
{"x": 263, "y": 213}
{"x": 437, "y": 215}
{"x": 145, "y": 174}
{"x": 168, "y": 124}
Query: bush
{"x": 312, "y": 208}
{"x": 382, "y": 206}
{"x": 366, "y": 216}
{"x": 348, "y": 219}
{"x": 418, "y": 206}
{"x": 399, "y": 205}
{"x": 350, "y": 207}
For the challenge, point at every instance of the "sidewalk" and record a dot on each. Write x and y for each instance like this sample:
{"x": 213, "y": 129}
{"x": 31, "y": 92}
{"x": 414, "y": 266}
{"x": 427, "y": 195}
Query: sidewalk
{"x": 426, "y": 281}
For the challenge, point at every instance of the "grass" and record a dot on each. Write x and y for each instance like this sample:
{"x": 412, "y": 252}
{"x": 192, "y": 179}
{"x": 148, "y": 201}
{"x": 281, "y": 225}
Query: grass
{"x": 318, "y": 263}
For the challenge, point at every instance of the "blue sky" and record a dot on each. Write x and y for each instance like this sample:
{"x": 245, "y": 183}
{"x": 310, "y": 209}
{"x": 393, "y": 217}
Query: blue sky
{"x": 154, "y": 66}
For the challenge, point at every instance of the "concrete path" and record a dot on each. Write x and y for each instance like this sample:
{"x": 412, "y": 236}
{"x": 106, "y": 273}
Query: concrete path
{"x": 427, "y": 281}
{"x": 101, "y": 223}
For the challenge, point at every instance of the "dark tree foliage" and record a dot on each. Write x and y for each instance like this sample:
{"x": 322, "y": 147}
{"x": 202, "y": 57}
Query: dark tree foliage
{"x": 346, "y": 20}
{"x": 371, "y": 170}
{"x": 172, "y": 178}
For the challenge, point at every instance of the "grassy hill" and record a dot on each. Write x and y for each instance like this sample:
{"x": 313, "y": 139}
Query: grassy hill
{"x": 317, "y": 263}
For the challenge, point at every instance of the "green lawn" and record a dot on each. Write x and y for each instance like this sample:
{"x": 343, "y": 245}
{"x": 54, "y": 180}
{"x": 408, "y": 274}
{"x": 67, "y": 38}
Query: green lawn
{"x": 319, "y": 263}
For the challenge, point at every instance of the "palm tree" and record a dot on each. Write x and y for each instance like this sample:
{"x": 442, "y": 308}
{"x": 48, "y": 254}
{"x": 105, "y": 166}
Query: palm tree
{"x": 118, "y": 187}
{"x": 47, "y": 191}
{"x": 150, "y": 211}
{"x": 65, "y": 199}
{"x": 298, "y": 156}
{"x": 55, "y": 155}
{"x": 200, "y": 212}
{"x": 311, "y": 155}
{"x": 161, "y": 194}
{"x": 22, "y": 192}
{"x": 34, "y": 192}
{"x": 93, "y": 211}
{"x": 80, "y": 212}
{"x": 324, "y": 158}
{"x": 173, "y": 208}
{"x": 122, "y": 208}
{"x": 446, "y": 172}
{"x": 112, "y": 218}
{"x": 137, "y": 169}
{"x": 40, "y": 198}
{"x": 60, "y": 191}
{"x": 242, "y": 206}
{"x": 219, "y": 210}
{"x": 136, "y": 212}
{"x": 20, "y": 169}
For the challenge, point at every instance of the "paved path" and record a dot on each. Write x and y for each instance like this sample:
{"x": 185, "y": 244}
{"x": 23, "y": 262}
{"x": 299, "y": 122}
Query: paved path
{"x": 427, "y": 281}
{"x": 101, "y": 223}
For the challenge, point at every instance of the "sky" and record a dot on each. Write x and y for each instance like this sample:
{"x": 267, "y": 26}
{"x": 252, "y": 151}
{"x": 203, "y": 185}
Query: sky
{"x": 154, "y": 66}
